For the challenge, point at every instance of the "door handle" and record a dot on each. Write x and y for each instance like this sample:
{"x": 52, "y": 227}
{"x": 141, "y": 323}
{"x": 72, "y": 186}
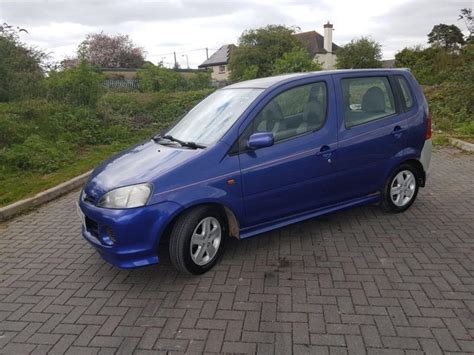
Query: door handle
{"x": 325, "y": 151}
{"x": 397, "y": 130}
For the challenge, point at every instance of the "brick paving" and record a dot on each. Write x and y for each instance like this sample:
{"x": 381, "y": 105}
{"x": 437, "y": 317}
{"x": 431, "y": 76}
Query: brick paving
{"x": 359, "y": 281}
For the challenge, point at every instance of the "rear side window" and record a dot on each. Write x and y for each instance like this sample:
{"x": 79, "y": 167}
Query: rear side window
{"x": 367, "y": 99}
{"x": 407, "y": 97}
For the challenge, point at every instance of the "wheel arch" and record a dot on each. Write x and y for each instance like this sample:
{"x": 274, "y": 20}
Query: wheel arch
{"x": 232, "y": 221}
{"x": 416, "y": 164}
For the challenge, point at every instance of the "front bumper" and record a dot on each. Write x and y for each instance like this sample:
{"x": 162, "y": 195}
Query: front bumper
{"x": 126, "y": 238}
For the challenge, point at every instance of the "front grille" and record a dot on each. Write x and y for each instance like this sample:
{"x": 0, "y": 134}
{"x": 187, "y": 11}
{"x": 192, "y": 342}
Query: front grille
{"x": 92, "y": 227}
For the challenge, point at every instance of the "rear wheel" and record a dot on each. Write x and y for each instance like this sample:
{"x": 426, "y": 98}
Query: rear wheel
{"x": 401, "y": 189}
{"x": 197, "y": 240}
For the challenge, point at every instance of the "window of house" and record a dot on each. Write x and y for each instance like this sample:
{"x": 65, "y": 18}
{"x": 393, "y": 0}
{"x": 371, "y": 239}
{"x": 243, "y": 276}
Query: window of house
{"x": 366, "y": 99}
{"x": 407, "y": 98}
{"x": 221, "y": 69}
{"x": 293, "y": 112}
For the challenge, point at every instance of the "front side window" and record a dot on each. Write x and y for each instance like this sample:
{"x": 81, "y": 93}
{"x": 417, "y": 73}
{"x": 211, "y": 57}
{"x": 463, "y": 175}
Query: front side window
{"x": 209, "y": 120}
{"x": 366, "y": 99}
{"x": 221, "y": 69}
{"x": 293, "y": 112}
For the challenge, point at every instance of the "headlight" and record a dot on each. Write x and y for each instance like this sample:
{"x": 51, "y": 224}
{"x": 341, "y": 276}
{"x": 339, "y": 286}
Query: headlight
{"x": 126, "y": 197}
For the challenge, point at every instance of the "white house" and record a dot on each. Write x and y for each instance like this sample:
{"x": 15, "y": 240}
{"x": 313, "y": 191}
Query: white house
{"x": 321, "y": 48}
{"x": 218, "y": 62}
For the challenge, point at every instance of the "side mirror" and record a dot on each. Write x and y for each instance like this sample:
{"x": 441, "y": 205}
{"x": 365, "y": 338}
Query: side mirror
{"x": 260, "y": 140}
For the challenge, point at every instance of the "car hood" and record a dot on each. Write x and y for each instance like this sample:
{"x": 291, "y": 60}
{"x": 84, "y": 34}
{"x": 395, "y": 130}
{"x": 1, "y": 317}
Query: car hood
{"x": 142, "y": 163}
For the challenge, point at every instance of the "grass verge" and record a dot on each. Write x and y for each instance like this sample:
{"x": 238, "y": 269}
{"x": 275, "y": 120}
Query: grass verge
{"x": 17, "y": 185}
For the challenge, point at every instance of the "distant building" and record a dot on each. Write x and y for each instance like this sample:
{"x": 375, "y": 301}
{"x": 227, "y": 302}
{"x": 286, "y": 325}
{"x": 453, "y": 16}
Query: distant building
{"x": 321, "y": 48}
{"x": 219, "y": 63}
{"x": 120, "y": 79}
{"x": 119, "y": 73}
{"x": 388, "y": 63}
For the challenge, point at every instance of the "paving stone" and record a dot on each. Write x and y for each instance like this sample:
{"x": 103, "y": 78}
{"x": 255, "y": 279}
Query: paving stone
{"x": 354, "y": 282}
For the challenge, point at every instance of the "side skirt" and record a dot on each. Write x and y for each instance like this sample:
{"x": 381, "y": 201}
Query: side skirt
{"x": 282, "y": 222}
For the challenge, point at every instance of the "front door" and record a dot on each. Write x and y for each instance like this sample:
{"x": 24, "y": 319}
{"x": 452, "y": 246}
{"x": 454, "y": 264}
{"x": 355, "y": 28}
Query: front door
{"x": 293, "y": 175}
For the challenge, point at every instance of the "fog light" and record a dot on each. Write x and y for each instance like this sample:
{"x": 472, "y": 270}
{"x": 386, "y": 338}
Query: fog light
{"x": 108, "y": 237}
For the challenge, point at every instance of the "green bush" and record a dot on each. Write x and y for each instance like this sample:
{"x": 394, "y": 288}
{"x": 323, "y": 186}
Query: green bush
{"x": 431, "y": 65}
{"x": 79, "y": 86}
{"x": 449, "y": 88}
{"x": 53, "y": 121}
{"x": 42, "y": 136}
{"x": 158, "y": 78}
{"x": 137, "y": 110}
{"x": 37, "y": 154}
{"x": 11, "y": 131}
{"x": 451, "y": 107}
{"x": 199, "y": 81}
{"x": 296, "y": 61}
{"x": 155, "y": 78}
{"x": 21, "y": 74}
{"x": 21, "y": 119}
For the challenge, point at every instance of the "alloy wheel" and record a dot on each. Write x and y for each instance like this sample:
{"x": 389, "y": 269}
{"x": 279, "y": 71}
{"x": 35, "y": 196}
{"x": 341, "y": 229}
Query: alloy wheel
{"x": 205, "y": 241}
{"x": 403, "y": 188}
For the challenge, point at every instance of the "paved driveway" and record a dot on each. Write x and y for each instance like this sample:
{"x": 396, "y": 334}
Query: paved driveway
{"x": 352, "y": 282}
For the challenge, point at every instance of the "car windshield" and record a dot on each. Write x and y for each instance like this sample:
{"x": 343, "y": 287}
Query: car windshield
{"x": 209, "y": 120}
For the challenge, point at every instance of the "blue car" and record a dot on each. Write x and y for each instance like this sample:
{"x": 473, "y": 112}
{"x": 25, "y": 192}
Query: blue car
{"x": 256, "y": 156}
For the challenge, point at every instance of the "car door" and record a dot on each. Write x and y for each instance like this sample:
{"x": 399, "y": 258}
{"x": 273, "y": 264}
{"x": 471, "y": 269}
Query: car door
{"x": 372, "y": 130}
{"x": 292, "y": 175}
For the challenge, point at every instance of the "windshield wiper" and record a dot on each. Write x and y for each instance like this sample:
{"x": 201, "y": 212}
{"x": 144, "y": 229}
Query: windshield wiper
{"x": 191, "y": 145}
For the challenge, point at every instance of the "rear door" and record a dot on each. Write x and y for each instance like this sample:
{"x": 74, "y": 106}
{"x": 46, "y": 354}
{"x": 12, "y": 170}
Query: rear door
{"x": 372, "y": 130}
{"x": 293, "y": 175}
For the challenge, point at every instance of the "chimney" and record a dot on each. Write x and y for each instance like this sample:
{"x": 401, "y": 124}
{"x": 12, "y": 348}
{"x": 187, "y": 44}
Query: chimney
{"x": 328, "y": 37}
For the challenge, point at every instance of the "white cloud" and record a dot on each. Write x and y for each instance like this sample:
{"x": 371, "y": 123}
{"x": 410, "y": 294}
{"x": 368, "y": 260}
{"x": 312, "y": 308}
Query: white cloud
{"x": 187, "y": 26}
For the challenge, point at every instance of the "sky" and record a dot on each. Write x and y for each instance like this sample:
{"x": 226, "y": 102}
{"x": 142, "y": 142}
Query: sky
{"x": 187, "y": 27}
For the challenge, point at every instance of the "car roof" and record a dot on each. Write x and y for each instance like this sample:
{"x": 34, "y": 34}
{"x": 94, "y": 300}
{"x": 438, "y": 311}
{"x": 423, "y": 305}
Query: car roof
{"x": 264, "y": 83}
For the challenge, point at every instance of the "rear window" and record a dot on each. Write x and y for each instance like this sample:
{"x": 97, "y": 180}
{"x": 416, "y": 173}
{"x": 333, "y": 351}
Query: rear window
{"x": 407, "y": 97}
{"x": 367, "y": 99}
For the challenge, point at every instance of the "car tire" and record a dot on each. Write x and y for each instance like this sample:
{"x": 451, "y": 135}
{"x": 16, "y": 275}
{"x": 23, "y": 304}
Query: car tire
{"x": 197, "y": 240}
{"x": 401, "y": 189}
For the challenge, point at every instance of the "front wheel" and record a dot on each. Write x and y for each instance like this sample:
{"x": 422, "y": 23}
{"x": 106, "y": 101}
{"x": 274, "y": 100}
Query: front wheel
{"x": 401, "y": 189}
{"x": 197, "y": 240}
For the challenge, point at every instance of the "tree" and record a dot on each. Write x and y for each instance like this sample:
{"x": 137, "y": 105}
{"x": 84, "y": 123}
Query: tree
{"x": 259, "y": 49}
{"x": 468, "y": 18}
{"x": 80, "y": 86}
{"x": 420, "y": 61}
{"x": 359, "y": 53}
{"x": 21, "y": 67}
{"x": 444, "y": 36}
{"x": 431, "y": 65}
{"x": 102, "y": 50}
{"x": 296, "y": 61}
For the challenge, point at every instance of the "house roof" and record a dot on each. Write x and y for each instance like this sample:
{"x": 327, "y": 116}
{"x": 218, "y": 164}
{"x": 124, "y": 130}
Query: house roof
{"x": 314, "y": 42}
{"x": 220, "y": 57}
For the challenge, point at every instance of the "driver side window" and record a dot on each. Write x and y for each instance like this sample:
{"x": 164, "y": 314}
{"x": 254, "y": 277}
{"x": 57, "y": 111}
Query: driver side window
{"x": 293, "y": 112}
